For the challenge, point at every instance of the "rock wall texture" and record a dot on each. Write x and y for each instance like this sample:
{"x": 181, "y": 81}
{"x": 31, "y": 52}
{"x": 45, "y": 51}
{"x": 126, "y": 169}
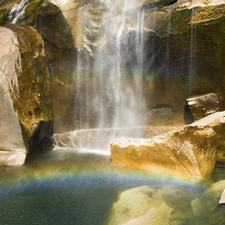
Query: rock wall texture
{"x": 178, "y": 153}
{"x": 25, "y": 87}
{"x": 189, "y": 151}
{"x": 183, "y": 48}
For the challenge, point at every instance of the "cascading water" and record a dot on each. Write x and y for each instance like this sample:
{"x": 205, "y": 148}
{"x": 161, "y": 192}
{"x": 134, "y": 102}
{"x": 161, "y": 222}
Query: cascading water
{"x": 110, "y": 65}
{"x": 192, "y": 61}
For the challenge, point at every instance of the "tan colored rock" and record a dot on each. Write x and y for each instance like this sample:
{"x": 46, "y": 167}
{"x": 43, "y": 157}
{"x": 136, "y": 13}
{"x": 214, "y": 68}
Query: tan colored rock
{"x": 186, "y": 152}
{"x": 217, "y": 122}
{"x": 12, "y": 158}
{"x": 25, "y": 88}
{"x": 34, "y": 101}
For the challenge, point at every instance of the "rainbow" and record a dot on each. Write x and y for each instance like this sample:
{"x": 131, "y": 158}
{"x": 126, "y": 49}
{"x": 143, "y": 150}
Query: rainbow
{"x": 66, "y": 168}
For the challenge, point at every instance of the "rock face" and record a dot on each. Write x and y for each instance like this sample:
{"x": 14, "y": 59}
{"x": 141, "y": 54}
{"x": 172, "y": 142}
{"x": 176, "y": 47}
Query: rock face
{"x": 183, "y": 58}
{"x": 25, "y": 88}
{"x": 204, "y": 105}
{"x": 217, "y": 122}
{"x": 189, "y": 151}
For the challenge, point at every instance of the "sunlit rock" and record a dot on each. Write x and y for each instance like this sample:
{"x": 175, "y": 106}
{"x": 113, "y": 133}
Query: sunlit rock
{"x": 217, "y": 122}
{"x": 12, "y": 158}
{"x": 203, "y": 105}
{"x": 25, "y": 88}
{"x": 188, "y": 152}
{"x": 47, "y": 18}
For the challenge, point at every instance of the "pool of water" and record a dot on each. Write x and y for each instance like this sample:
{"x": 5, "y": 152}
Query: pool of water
{"x": 74, "y": 187}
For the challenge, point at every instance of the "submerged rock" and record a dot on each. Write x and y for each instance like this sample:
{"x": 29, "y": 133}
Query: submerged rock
{"x": 139, "y": 206}
{"x": 167, "y": 205}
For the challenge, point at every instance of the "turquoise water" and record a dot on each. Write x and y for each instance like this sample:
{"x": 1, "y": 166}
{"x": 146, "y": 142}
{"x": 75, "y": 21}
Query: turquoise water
{"x": 68, "y": 187}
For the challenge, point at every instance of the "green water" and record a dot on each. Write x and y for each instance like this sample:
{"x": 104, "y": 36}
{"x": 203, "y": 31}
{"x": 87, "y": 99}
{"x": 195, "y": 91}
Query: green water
{"x": 67, "y": 187}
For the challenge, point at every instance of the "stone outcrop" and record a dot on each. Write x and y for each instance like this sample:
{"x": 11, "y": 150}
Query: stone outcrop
{"x": 100, "y": 138}
{"x": 203, "y": 105}
{"x": 217, "y": 122}
{"x": 47, "y": 18}
{"x": 25, "y": 88}
{"x": 183, "y": 58}
{"x": 189, "y": 152}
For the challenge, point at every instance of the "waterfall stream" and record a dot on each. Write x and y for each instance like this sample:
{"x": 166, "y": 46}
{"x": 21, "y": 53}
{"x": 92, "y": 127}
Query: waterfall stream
{"x": 109, "y": 67}
{"x": 192, "y": 66}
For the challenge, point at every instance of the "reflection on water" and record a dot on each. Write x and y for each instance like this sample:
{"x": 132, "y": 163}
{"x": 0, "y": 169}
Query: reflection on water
{"x": 69, "y": 187}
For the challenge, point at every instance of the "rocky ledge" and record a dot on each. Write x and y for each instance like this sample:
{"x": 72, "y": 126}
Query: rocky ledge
{"x": 188, "y": 151}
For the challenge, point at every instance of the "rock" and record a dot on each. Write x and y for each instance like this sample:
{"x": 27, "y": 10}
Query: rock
{"x": 34, "y": 102}
{"x": 185, "y": 152}
{"x": 159, "y": 115}
{"x": 203, "y": 105}
{"x": 25, "y": 88}
{"x": 217, "y": 122}
{"x": 49, "y": 21}
{"x": 168, "y": 204}
{"x": 98, "y": 138}
{"x": 41, "y": 141}
{"x": 139, "y": 206}
{"x": 207, "y": 204}
{"x": 12, "y": 158}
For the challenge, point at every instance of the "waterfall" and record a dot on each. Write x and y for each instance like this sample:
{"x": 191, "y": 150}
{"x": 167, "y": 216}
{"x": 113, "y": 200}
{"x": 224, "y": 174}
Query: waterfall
{"x": 109, "y": 68}
{"x": 192, "y": 68}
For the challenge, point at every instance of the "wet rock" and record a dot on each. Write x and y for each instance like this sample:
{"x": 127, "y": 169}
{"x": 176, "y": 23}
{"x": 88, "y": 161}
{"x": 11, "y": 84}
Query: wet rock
{"x": 25, "y": 87}
{"x": 203, "y": 105}
{"x": 188, "y": 152}
{"x": 168, "y": 204}
{"x": 207, "y": 204}
{"x": 49, "y": 21}
{"x": 139, "y": 206}
{"x": 41, "y": 141}
{"x": 217, "y": 122}
{"x": 159, "y": 115}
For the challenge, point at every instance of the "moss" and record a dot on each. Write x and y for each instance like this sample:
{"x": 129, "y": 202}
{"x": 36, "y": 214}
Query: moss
{"x": 33, "y": 6}
{"x": 3, "y": 18}
{"x": 179, "y": 23}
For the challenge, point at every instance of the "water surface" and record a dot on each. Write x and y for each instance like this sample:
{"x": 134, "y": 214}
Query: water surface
{"x": 74, "y": 187}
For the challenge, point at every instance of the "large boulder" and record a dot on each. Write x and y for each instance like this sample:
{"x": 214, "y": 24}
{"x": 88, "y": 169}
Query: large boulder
{"x": 185, "y": 152}
{"x": 217, "y": 122}
{"x": 203, "y": 105}
{"x": 25, "y": 88}
{"x": 189, "y": 151}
